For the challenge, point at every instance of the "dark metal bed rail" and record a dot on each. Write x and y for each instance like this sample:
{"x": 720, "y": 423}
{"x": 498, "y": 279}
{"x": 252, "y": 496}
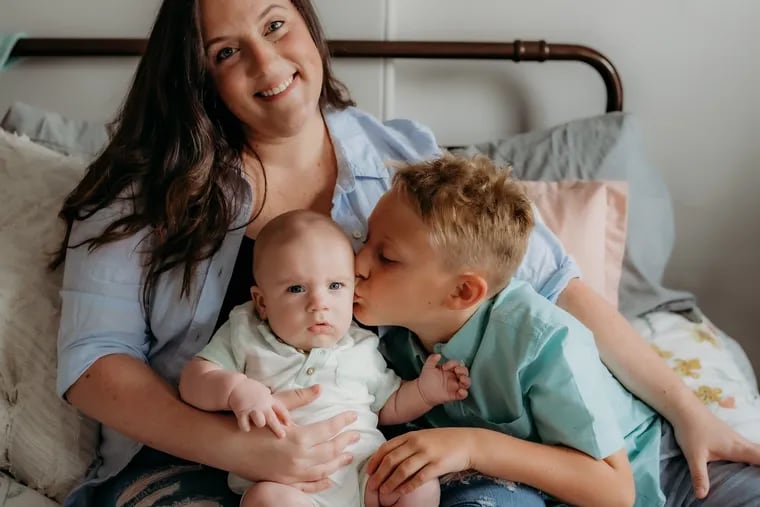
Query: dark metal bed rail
{"x": 518, "y": 51}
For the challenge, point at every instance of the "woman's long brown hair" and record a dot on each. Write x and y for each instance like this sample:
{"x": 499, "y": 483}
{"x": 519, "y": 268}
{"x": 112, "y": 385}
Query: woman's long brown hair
{"x": 175, "y": 153}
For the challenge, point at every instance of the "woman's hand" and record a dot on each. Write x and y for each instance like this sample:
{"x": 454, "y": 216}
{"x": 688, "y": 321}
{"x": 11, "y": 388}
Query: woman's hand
{"x": 703, "y": 438}
{"x": 305, "y": 457}
{"x": 406, "y": 462}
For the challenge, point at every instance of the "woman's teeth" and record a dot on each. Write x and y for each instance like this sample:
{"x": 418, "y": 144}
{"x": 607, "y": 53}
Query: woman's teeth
{"x": 277, "y": 89}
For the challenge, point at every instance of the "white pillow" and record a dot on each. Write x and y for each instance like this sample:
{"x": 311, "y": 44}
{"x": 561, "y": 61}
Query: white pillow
{"x": 44, "y": 442}
{"x": 703, "y": 356}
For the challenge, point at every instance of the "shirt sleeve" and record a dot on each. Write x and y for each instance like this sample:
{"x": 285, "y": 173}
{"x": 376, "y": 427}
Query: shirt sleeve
{"x": 566, "y": 388}
{"x": 415, "y": 140}
{"x": 232, "y": 342}
{"x": 101, "y": 301}
{"x": 546, "y": 266}
{"x": 220, "y": 350}
{"x": 381, "y": 380}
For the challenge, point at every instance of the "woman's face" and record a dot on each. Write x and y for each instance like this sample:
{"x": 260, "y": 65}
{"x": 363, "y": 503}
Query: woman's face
{"x": 264, "y": 63}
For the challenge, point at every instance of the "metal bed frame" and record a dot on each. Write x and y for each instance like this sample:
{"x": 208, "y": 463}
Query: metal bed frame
{"x": 517, "y": 51}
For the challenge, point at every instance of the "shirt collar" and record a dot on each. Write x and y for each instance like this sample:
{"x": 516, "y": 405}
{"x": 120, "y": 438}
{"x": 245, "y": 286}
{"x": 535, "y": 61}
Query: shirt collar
{"x": 465, "y": 343}
{"x": 357, "y": 157}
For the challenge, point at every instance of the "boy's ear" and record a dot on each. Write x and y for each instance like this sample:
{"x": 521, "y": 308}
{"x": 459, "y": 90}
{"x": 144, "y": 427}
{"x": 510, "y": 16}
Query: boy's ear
{"x": 471, "y": 289}
{"x": 258, "y": 302}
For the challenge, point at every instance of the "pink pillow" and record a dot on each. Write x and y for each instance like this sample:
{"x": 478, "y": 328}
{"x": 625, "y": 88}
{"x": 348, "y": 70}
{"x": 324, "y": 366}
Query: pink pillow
{"x": 590, "y": 218}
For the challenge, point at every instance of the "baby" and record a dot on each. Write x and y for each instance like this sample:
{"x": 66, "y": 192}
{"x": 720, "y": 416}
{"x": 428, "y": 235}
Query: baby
{"x": 298, "y": 331}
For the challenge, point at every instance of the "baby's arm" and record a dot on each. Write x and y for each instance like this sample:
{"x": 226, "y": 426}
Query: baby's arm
{"x": 434, "y": 386}
{"x": 208, "y": 386}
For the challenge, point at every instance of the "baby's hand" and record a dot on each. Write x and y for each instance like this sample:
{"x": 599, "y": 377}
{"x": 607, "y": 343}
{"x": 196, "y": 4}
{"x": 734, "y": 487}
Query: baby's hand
{"x": 440, "y": 384}
{"x": 252, "y": 402}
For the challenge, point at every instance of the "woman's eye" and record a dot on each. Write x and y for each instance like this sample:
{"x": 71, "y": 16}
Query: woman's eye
{"x": 274, "y": 26}
{"x": 225, "y": 53}
{"x": 336, "y": 285}
{"x": 296, "y": 289}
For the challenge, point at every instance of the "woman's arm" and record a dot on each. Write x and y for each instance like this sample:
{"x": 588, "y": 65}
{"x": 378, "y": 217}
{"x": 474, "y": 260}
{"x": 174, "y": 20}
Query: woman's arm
{"x": 702, "y": 436}
{"x": 119, "y": 390}
{"x": 409, "y": 460}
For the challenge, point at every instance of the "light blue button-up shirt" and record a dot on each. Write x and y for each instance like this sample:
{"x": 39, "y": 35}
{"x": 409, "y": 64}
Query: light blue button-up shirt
{"x": 536, "y": 375}
{"x": 102, "y": 312}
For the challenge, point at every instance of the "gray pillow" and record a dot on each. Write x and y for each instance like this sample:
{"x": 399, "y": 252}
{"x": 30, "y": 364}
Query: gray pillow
{"x": 64, "y": 135}
{"x": 608, "y": 147}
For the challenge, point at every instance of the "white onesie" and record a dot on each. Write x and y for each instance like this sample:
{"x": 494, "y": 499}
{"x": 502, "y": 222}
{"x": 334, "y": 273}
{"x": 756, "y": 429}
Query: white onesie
{"x": 352, "y": 375}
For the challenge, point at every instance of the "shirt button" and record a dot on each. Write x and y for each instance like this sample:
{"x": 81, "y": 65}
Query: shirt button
{"x": 357, "y": 235}
{"x": 310, "y": 371}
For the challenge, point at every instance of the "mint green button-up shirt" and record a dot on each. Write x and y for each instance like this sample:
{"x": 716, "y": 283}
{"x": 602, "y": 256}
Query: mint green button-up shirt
{"x": 536, "y": 375}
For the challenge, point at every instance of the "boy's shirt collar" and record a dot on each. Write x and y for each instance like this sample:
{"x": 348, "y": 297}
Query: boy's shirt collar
{"x": 461, "y": 347}
{"x": 465, "y": 343}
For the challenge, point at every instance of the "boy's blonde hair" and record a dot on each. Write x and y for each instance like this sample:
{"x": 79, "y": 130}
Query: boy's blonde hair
{"x": 479, "y": 217}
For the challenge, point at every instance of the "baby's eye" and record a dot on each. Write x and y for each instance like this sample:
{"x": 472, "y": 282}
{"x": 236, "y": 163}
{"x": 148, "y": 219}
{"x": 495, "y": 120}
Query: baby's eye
{"x": 384, "y": 259}
{"x": 336, "y": 285}
{"x": 296, "y": 289}
{"x": 225, "y": 53}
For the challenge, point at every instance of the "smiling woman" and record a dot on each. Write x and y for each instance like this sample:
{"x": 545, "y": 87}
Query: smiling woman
{"x": 233, "y": 118}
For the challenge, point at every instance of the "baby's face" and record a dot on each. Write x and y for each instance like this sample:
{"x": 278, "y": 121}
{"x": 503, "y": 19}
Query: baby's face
{"x": 401, "y": 278}
{"x": 306, "y": 290}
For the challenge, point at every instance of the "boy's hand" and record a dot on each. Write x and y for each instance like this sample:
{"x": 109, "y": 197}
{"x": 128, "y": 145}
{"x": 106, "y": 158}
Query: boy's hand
{"x": 252, "y": 402}
{"x": 440, "y": 384}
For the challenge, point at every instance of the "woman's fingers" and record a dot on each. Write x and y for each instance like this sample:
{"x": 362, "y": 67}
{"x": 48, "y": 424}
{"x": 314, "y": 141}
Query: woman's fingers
{"x": 323, "y": 471}
{"x": 317, "y": 433}
{"x": 295, "y": 398}
{"x": 314, "y": 486}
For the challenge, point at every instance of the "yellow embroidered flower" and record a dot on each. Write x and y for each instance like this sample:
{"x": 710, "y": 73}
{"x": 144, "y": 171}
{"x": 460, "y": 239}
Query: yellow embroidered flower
{"x": 665, "y": 354}
{"x": 707, "y": 395}
{"x": 703, "y": 335}
{"x": 688, "y": 368}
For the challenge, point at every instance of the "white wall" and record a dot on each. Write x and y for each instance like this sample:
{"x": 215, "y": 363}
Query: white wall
{"x": 690, "y": 72}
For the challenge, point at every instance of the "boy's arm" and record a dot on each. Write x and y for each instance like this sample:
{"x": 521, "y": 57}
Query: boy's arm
{"x": 569, "y": 475}
{"x": 434, "y": 386}
{"x": 406, "y": 462}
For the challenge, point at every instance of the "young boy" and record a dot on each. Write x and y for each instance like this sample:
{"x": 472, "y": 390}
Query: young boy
{"x": 442, "y": 246}
{"x": 304, "y": 335}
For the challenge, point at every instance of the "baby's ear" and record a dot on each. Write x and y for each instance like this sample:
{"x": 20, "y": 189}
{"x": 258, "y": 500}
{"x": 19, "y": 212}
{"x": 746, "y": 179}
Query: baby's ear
{"x": 470, "y": 289}
{"x": 258, "y": 302}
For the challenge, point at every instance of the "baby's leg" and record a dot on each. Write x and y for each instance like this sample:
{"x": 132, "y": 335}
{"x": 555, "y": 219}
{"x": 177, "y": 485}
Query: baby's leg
{"x": 273, "y": 494}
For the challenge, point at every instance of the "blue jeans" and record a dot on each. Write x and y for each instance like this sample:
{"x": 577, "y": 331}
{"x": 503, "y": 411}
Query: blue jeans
{"x": 471, "y": 489}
